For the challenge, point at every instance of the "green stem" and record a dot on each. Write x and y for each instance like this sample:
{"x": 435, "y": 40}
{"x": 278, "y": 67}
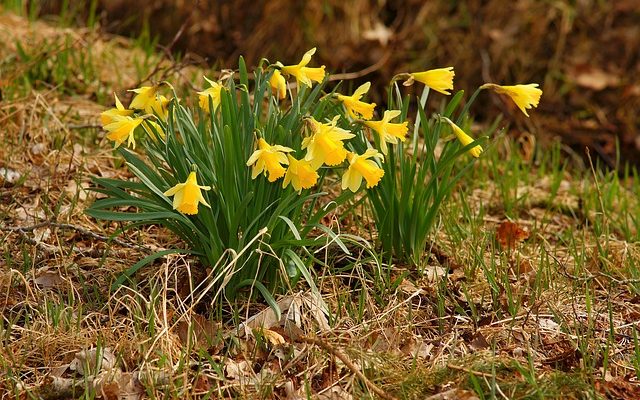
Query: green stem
{"x": 465, "y": 110}
{"x": 416, "y": 125}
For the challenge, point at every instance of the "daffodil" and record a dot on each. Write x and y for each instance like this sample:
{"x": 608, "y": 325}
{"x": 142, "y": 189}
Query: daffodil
{"x": 525, "y": 96}
{"x": 121, "y": 129}
{"x": 213, "y": 92}
{"x": 153, "y": 129}
{"x": 355, "y": 107}
{"x": 159, "y": 107}
{"x": 278, "y": 85}
{"x": 300, "y": 174}
{"x": 303, "y": 74}
{"x": 389, "y": 132}
{"x": 464, "y": 138}
{"x": 269, "y": 158}
{"x": 145, "y": 99}
{"x": 440, "y": 79}
{"x": 325, "y": 145}
{"x": 360, "y": 166}
{"x": 187, "y": 196}
{"x": 109, "y": 116}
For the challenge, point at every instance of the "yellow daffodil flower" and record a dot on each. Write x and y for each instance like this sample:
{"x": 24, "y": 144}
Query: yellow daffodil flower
{"x": 278, "y": 85}
{"x": 360, "y": 166}
{"x": 464, "y": 138}
{"x": 109, "y": 116}
{"x": 145, "y": 99}
{"x": 325, "y": 145}
{"x": 187, "y": 196}
{"x": 300, "y": 174}
{"x": 389, "y": 132}
{"x": 440, "y": 79}
{"x": 153, "y": 129}
{"x": 304, "y": 75}
{"x": 213, "y": 91}
{"x": 355, "y": 107}
{"x": 121, "y": 129}
{"x": 525, "y": 96}
{"x": 159, "y": 107}
{"x": 269, "y": 158}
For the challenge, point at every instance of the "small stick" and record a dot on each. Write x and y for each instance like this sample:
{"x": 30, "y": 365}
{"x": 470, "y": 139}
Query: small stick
{"x": 22, "y": 230}
{"x": 342, "y": 357}
{"x": 470, "y": 371}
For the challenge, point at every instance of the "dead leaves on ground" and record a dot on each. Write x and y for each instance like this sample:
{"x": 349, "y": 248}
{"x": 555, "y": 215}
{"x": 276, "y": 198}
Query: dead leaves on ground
{"x": 510, "y": 234}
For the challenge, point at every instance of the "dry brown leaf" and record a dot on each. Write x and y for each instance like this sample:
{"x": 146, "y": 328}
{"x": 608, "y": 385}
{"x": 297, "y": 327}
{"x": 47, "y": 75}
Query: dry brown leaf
{"x": 48, "y": 279}
{"x": 596, "y": 79}
{"x": 239, "y": 370}
{"x": 273, "y": 337}
{"x": 334, "y": 393}
{"x": 434, "y": 273}
{"x": 202, "y": 385}
{"x": 92, "y": 361}
{"x": 206, "y": 333}
{"x": 479, "y": 342}
{"x": 74, "y": 189}
{"x": 454, "y": 394}
{"x": 618, "y": 388}
{"x": 509, "y": 234}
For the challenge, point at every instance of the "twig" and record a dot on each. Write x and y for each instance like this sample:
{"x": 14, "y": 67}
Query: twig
{"x": 342, "y": 357}
{"x": 470, "y": 371}
{"x": 362, "y": 72}
{"x": 22, "y": 230}
{"x": 592, "y": 275}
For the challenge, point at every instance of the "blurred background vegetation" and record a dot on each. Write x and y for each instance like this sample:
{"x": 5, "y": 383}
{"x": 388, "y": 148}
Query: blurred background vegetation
{"x": 584, "y": 53}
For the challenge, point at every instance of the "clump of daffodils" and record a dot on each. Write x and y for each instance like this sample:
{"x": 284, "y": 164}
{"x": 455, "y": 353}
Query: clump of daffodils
{"x": 238, "y": 170}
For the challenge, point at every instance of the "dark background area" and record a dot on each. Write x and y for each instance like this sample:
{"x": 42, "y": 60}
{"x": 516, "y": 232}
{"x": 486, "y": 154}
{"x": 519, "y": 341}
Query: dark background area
{"x": 584, "y": 53}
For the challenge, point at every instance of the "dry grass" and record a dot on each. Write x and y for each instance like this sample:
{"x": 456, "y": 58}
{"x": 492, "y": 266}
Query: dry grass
{"x": 552, "y": 317}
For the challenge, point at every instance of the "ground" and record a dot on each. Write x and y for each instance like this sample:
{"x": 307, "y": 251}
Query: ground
{"x": 529, "y": 287}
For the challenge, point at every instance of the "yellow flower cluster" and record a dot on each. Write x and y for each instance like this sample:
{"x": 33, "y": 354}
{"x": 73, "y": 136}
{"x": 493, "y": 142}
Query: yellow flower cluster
{"x": 326, "y": 142}
{"x": 120, "y": 123}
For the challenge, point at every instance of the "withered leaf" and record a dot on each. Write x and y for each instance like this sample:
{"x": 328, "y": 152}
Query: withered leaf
{"x": 510, "y": 233}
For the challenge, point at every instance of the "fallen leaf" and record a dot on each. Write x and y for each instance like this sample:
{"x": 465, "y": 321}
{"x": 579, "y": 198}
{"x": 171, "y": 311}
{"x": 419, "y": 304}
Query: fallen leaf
{"x": 201, "y": 385}
{"x": 273, "y": 337}
{"x": 618, "y": 388}
{"x": 380, "y": 32}
{"x": 509, "y": 234}
{"x": 548, "y": 324}
{"x": 206, "y": 333}
{"x": 596, "y": 79}
{"x": 454, "y": 394}
{"x": 38, "y": 148}
{"x": 334, "y": 393}
{"x": 74, "y": 189}
{"x": 92, "y": 361}
{"x": 479, "y": 342}
{"x": 8, "y": 176}
{"x": 239, "y": 370}
{"x": 434, "y": 273}
{"x": 48, "y": 279}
